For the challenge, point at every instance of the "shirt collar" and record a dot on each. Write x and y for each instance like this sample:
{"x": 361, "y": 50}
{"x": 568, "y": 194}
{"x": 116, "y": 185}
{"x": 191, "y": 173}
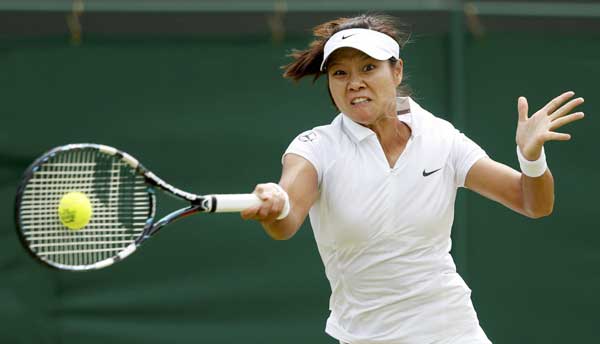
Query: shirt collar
{"x": 407, "y": 110}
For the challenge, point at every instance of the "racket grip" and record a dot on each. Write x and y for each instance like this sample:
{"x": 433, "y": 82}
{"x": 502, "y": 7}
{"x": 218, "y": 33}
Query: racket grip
{"x": 233, "y": 203}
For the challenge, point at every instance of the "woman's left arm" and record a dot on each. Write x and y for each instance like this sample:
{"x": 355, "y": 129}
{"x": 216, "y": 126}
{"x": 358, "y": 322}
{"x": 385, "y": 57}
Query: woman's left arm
{"x": 530, "y": 196}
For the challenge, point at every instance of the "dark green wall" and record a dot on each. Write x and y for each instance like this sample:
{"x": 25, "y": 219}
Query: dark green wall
{"x": 214, "y": 116}
{"x": 537, "y": 281}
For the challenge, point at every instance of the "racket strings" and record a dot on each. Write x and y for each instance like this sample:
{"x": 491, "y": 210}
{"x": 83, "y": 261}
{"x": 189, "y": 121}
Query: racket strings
{"x": 120, "y": 203}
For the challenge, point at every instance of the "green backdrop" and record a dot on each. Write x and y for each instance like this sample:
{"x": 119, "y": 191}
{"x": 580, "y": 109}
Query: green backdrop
{"x": 214, "y": 116}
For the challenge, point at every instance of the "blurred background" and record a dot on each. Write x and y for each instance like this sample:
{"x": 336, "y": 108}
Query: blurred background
{"x": 194, "y": 90}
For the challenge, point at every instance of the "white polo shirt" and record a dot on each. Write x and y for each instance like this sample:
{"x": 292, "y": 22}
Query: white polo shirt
{"x": 384, "y": 233}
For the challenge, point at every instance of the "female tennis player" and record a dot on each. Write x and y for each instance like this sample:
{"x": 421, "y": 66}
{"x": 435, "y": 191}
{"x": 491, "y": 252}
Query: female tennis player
{"x": 380, "y": 182}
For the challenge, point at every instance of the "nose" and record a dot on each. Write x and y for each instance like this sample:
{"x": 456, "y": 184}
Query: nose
{"x": 355, "y": 83}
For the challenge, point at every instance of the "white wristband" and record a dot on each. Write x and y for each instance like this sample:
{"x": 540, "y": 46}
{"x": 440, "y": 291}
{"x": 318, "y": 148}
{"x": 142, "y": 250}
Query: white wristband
{"x": 532, "y": 168}
{"x": 286, "y": 206}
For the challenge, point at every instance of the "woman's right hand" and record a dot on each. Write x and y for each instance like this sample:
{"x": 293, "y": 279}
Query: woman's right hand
{"x": 273, "y": 203}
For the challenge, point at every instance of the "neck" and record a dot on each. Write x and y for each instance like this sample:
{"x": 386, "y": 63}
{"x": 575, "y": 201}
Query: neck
{"x": 393, "y": 136}
{"x": 391, "y": 132}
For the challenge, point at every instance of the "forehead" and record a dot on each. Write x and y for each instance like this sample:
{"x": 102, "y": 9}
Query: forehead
{"x": 346, "y": 55}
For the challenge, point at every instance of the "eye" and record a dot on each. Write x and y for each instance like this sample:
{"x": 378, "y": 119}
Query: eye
{"x": 338, "y": 72}
{"x": 368, "y": 67}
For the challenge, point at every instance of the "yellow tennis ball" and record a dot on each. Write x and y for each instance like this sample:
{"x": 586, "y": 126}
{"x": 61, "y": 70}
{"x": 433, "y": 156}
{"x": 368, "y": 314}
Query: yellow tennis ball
{"x": 75, "y": 210}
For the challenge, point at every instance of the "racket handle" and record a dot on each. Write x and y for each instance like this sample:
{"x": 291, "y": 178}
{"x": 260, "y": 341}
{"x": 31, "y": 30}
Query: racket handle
{"x": 233, "y": 203}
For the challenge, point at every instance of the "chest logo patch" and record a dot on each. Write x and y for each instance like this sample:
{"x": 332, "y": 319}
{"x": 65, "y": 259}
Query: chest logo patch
{"x": 425, "y": 173}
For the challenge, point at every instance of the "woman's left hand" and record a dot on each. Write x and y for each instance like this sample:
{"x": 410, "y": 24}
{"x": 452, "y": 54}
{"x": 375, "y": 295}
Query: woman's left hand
{"x": 534, "y": 131}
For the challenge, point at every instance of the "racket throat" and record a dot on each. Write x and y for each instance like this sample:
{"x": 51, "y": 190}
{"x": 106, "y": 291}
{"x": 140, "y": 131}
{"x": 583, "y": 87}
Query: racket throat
{"x": 175, "y": 216}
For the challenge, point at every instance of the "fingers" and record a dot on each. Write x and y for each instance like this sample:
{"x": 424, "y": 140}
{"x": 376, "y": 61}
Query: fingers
{"x": 566, "y": 120}
{"x": 566, "y": 108}
{"x": 540, "y": 127}
{"x": 523, "y": 109}
{"x": 249, "y": 213}
{"x": 557, "y": 102}
{"x": 552, "y": 136}
{"x": 270, "y": 208}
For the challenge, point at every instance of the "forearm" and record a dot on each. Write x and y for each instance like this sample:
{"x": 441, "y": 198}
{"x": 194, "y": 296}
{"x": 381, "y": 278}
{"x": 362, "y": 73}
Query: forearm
{"x": 531, "y": 197}
{"x": 282, "y": 229}
{"x": 538, "y": 194}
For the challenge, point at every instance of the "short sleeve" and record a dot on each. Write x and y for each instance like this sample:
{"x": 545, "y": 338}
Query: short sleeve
{"x": 465, "y": 153}
{"x": 307, "y": 145}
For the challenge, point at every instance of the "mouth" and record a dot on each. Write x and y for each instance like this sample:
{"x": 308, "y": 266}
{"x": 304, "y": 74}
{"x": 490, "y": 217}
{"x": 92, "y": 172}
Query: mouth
{"x": 360, "y": 100}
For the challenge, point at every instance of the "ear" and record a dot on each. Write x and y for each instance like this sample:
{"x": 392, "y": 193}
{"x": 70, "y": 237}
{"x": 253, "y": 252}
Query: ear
{"x": 398, "y": 72}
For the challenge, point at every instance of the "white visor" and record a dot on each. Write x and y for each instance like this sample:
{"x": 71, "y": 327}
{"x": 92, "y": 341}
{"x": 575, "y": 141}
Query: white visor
{"x": 373, "y": 43}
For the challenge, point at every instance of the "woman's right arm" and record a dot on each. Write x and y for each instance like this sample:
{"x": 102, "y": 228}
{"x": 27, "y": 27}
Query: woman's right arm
{"x": 299, "y": 179}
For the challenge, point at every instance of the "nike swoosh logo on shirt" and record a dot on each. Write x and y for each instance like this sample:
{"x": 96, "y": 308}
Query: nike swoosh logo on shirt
{"x": 344, "y": 37}
{"x": 425, "y": 173}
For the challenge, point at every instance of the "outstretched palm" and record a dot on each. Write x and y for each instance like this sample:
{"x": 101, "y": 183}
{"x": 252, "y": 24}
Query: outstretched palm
{"x": 534, "y": 131}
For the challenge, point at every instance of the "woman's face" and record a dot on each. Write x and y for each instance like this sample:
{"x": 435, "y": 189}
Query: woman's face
{"x": 363, "y": 88}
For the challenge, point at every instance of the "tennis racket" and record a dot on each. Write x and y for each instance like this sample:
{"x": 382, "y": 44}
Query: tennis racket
{"x": 114, "y": 191}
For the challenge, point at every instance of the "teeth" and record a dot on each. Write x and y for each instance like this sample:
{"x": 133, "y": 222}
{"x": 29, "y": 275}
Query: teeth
{"x": 359, "y": 100}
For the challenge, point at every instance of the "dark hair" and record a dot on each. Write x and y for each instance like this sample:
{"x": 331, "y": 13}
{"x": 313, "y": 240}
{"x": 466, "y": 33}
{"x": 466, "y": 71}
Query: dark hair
{"x": 307, "y": 62}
